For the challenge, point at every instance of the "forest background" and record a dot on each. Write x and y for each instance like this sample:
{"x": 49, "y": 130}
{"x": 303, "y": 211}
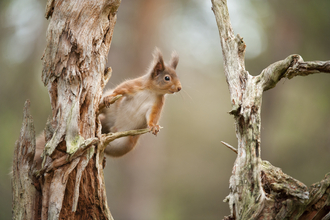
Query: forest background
{"x": 184, "y": 172}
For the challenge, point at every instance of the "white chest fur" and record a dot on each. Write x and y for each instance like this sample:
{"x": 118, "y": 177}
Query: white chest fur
{"x": 132, "y": 111}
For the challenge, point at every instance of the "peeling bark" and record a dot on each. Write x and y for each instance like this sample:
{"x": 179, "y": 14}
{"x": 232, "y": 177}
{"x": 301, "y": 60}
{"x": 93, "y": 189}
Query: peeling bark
{"x": 258, "y": 190}
{"x": 78, "y": 41}
{"x": 70, "y": 184}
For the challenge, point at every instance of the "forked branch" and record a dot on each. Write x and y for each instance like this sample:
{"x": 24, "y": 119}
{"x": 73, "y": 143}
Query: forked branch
{"x": 259, "y": 190}
{"x": 105, "y": 140}
{"x": 292, "y": 66}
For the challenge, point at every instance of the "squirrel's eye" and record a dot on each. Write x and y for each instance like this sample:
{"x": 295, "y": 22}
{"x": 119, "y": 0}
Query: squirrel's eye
{"x": 167, "y": 78}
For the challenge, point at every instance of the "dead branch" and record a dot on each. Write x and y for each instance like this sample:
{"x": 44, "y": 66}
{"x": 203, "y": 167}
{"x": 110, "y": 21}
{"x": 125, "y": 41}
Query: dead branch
{"x": 229, "y": 146}
{"x": 105, "y": 140}
{"x": 25, "y": 196}
{"x": 292, "y": 66}
{"x": 258, "y": 190}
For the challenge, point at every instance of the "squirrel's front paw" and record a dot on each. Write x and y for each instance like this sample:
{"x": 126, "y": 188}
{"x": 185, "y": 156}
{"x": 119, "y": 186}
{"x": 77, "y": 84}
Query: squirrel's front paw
{"x": 107, "y": 101}
{"x": 110, "y": 99}
{"x": 154, "y": 129}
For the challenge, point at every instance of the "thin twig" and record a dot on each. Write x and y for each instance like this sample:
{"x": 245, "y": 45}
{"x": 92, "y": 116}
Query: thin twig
{"x": 230, "y": 147}
{"x": 107, "y": 138}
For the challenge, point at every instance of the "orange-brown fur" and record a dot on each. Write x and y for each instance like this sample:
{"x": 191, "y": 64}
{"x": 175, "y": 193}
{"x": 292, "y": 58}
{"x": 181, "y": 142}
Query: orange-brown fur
{"x": 155, "y": 114}
{"x": 141, "y": 104}
{"x": 146, "y": 93}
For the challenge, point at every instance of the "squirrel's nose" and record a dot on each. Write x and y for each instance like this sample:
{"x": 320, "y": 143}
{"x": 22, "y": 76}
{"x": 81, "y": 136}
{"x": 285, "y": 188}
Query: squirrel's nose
{"x": 179, "y": 88}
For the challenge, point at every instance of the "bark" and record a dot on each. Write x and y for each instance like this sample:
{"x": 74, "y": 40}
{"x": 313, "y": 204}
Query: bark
{"x": 26, "y": 198}
{"x": 258, "y": 190}
{"x": 70, "y": 184}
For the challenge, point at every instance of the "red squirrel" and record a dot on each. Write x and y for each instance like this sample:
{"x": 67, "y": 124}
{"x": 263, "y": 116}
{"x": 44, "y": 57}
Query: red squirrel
{"x": 139, "y": 107}
{"x": 141, "y": 103}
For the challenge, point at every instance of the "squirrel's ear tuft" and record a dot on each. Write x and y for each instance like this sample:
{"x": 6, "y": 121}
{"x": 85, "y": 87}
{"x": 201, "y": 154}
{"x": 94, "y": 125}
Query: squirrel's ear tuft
{"x": 174, "y": 60}
{"x": 158, "y": 63}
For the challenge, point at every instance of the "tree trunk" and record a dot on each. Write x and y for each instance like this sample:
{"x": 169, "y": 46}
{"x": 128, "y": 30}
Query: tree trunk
{"x": 259, "y": 190}
{"x": 70, "y": 184}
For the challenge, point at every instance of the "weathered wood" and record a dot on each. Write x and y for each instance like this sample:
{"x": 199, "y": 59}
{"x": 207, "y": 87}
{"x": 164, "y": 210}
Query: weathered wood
{"x": 292, "y": 66}
{"x": 78, "y": 41}
{"x": 259, "y": 190}
{"x": 25, "y": 196}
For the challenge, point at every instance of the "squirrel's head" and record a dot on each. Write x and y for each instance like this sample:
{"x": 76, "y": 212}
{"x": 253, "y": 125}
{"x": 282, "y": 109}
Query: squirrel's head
{"x": 164, "y": 78}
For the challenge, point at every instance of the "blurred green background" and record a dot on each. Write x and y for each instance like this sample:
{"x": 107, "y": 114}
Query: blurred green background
{"x": 184, "y": 172}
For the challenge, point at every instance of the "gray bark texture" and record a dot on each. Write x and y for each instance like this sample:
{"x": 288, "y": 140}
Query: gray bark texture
{"x": 26, "y": 197}
{"x": 70, "y": 184}
{"x": 258, "y": 190}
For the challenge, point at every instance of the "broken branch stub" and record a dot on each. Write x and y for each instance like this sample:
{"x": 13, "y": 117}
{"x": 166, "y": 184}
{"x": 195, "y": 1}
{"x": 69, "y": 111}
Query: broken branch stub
{"x": 26, "y": 197}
